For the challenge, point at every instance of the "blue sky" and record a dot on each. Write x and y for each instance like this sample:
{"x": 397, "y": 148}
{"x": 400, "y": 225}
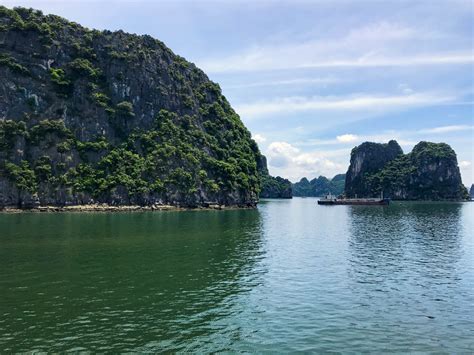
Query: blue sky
{"x": 312, "y": 79}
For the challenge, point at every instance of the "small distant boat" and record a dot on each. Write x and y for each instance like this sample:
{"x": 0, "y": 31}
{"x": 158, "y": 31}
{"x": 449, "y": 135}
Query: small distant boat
{"x": 333, "y": 200}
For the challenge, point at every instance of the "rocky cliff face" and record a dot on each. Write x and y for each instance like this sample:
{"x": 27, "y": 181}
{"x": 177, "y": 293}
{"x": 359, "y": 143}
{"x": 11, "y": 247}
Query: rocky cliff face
{"x": 368, "y": 158}
{"x": 471, "y": 192}
{"x": 429, "y": 172}
{"x": 97, "y": 116}
{"x": 273, "y": 187}
{"x": 319, "y": 186}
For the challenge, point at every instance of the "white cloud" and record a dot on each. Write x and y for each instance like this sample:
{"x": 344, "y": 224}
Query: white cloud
{"x": 467, "y": 171}
{"x": 288, "y": 161}
{"x": 282, "y": 148}
{"x": 347, "y": 138}
{"x": 280, "y": 154}
{"x": 339, "y": 103}
{"x": 259, "y": 138}
{"x": 329, "y": 157}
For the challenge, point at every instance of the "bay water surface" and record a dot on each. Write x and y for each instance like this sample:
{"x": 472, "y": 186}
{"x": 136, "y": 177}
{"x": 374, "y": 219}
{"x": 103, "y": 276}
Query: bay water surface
{"x": 288, "y": 276}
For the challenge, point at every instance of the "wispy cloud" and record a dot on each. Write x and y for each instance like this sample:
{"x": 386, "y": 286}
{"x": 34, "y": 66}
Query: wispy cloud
{"x": 297, "y": 81}
{"x": 350, "y": 140}
{"x": 406, "y": 138}
{"x": 340, "y": 103}
{"x": 260, "y": 61}
{"x": 380, "y": 44}
{"x": 446, "y": 129}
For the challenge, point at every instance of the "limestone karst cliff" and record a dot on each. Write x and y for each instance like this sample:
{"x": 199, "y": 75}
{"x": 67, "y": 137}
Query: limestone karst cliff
{"x": 368, "y": 158}
{"x": 98, "y": 116}
{"x": 429, "y": 172}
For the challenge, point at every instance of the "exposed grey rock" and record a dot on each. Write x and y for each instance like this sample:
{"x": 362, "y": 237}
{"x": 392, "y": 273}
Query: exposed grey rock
{"x": 429, "y": 172}
{"x": 111, "y": 117}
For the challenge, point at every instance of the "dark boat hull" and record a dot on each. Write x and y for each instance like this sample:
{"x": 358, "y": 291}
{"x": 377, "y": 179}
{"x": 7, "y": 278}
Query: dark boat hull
{"x": 359, "y": 201}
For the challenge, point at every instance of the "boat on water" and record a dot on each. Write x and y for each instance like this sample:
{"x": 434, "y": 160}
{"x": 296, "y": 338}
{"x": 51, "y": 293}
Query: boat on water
{"x": 333, "y": 200}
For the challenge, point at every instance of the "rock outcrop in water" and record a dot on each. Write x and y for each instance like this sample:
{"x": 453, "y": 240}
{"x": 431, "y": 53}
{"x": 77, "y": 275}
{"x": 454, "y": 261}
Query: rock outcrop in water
{"x": 273, "y": 187}
{"x": 91, "y": 116}
{"x": 319, "y": 186}
{"x": 367, "y": 159}
{"x": 471, "y": 192}
{"x": 429, "y": 172}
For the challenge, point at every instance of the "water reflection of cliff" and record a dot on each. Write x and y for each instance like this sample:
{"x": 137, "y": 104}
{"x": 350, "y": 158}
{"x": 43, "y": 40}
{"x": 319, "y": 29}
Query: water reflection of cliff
{"x": 157, "y": 279}
{"x": 403, "y": 250}
{"x": 420, "y": 231}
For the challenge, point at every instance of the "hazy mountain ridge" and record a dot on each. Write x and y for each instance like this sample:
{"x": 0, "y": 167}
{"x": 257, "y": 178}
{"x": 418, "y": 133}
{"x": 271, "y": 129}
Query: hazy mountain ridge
{"x": 319, "y": 186}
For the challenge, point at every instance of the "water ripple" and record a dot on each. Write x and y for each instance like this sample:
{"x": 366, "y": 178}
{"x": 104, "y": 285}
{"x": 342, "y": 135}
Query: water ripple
{"x": 292, "y": 276}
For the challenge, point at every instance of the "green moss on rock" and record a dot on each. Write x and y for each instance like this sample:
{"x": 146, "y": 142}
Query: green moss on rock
{"x": 429, "y": 172}
{"x": 119, "y": 119}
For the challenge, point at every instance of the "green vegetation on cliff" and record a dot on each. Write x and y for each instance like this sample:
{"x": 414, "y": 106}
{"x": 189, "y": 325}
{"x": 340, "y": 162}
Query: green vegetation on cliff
{"x": 367, "y": 159}
{"x": 99, "y": 116}
{"x": 429, "y": 172}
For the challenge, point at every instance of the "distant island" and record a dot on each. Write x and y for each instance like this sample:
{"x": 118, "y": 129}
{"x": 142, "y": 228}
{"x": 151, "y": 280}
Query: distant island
{"x": 101, "y": 117}
{"x": 319, "y": 186}
{"x": 429, "y": 172}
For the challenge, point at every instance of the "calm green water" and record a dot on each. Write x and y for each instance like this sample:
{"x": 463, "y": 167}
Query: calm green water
{"x": 290, "y": 276}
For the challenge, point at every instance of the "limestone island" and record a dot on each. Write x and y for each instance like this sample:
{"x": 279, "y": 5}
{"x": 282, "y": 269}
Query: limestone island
{"x": 429, "y": 172}
{"x": 100, "y": 118}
